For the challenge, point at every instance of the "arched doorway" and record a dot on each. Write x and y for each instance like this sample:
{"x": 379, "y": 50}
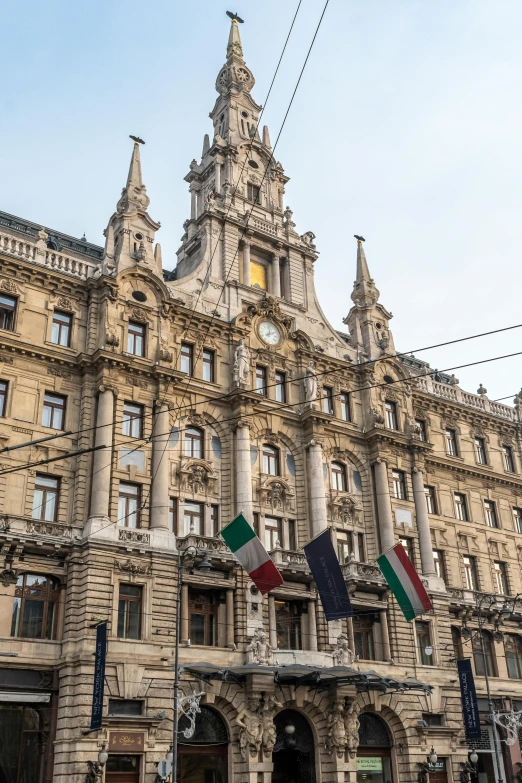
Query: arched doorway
{"x": 374, "y": 751}
{"x": 204, "y": 757}
{"x": 294, "y": 751}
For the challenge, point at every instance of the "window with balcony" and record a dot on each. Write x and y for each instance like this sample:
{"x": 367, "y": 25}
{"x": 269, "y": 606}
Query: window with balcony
{"x": 390, "y": 409}
{"x": 7, "y": 312}
{"x": 461, "y": 507}
{"x": 513, "y": 651}
{"x": 488, "y": 654}
{"x": 440, "y": 567}
{"x": 344, "y": 402}
{"x": 451, "y": 443}
{"x": 344, "y": 545}
{"x": 424, "y": 646}
{"x": 423, "y": 435}
{"x": 407, "y": 543}
{"x": 517, "y": 519}
{"x": 187, "y": 359}
{"x": 136, "y": 339}
{"x": 470, "y": 573}
{"x": 431, "y": 502}
{"x": 480, "y": 451}
{"x": 61, "y": 329}
{"x": 280, "y": 387}
{"x": 500, "y": 574}
{"x": 399, "y": 484}
{"x": 273, "y": 533}
{"x": 53, "y": 411}
{"x": 203, "y": 617}
{"x": 509, "y": 459}
{"x": 270, "y": 460}
{"x": 194, "y": 443}
{"x": 129, "y": 611}
{"x": 490, "y": 510}
{"x": 288, "y": 625}
{"x": 3, "y": 397}
{"x": 35, "y": 607}
{"x": 214, "y": 520}
{"x": 253, "y": 193}
{"x": 261, "y": 380}
{"x": 129, "y": 505}
{"x": 363, "y": 637}
{"x": 132, "y": 422}
{"x": 209, "y": 366}
{"x": 327, "y": 397}
{"x": 192, "y": 518}
{"x": 45, "y": 498}
{"x": 338, "y": 477}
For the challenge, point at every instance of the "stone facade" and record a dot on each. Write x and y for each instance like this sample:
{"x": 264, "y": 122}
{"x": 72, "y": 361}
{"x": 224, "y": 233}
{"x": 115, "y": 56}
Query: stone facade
{"x": 215, "y": 389}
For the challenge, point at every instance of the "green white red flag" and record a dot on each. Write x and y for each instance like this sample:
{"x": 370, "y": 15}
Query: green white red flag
{"x": 404, "y": 582}
{"x": 251, "y": 554}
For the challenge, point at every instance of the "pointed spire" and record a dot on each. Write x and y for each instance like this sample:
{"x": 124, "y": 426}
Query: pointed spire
{"x": 134, "y": 177}
{"x": 266, "y": 137}
{"x": 234, "y": 48}
{"x": 364, "y": 293}
{"x": 206, "y": 145}
{"x": 363, "y": 273}
{"x": 134, "y": 194}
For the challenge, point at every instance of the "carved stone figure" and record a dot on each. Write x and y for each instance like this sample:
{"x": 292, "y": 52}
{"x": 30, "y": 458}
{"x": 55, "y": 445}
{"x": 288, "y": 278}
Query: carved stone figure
{"x": 518, "y": 405}
{"x": 465, "y": 769}
{"x": 342, "y": 655}
{"x": 423, "y": 775}
{"x": 412, "y": 427}
{"x": 269, "y": 737}
{"x": 251, "y": 729}
{"x": 259, "y": 650}
{"x": 277, "y": 495}
{"x": 241, "y": 364}
{"x": 310, "y": 383}
{"x": 376, "y": 417}
{"x": 196, "y": 479}
{"x": 351, "y": 726}
{"x": 336, "y": 740}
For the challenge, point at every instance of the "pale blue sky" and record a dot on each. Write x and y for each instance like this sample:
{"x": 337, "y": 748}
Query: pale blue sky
{"x": 406, "y": 128}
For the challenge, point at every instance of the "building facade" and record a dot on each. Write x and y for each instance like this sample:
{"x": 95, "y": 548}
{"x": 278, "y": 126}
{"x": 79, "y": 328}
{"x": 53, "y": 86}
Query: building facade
{"x": 175, "y": 400}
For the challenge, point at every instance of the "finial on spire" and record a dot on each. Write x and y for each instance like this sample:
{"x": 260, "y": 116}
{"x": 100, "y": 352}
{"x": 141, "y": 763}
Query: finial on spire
{"x": 134, "y": 194}
{"x": 234, "y": 48}
{"x": 235, "y": 17}
{"x": 359, "y": 239}
{"x": 136, "y": 139}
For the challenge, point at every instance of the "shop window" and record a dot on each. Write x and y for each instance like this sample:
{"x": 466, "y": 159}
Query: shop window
{"x": 338, "y": 477}
{"x": 129, "y": 505}
{"x": 35, "y": 607}
{"x": 489, "y": 654}
{"x": 132, "y": 423}
{"x": 129, "y": 611}
{"x": 45, "y": 498}
{"x": 53, "y": 412}
{"x": 513, "y": 650}
{"x": 288, "y": 624}
{"x": 136, "y": 339}
{"x": 7, "y": 312}
{"x": 273, "y": 533}
{"x": 423, "y": 636}
{"x": 203, "y": 617}
{"x": 192, "y": 518}
{"x": 270, "y": 460}
{"x": 194, "y": 443}
{"x": 363, "y": 638}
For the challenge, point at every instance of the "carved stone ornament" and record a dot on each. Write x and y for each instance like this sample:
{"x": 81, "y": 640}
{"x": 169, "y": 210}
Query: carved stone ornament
{"x": 112, "y": 339}
{"x": 351, "y": 725}
{"x": 259, "y": 650}
{"x": 251, "y": 729}
{"x": 241, "y": 367}
{"x": 58, "y": 373}
{"x": 277, "y": 494}
{"x": 133, "y": 536}
{"x": 6, "y": 359}
{"x": 198, "y": 477}
{"x": 197, "y": 419}
{"x": 376, "y": 417}
{"x": 269, "y": 307}
{"x": 48, "y": 528}
{"x": 346, "y": 509}
{"x": 8, "y": 577}
{"x": 269, "y": 736}
{"x": 165, "y": 355}
{"x": 65, "y": 303}
{"x": 412, "y": 428}
{"x": 336, "y": 731}
{"x": 132, "y": 381}
{"x": 8, "y": 285}
{"x": 342, "y": 655}
{"x": 138, "y": 314}
{"x": 134, "y": 569}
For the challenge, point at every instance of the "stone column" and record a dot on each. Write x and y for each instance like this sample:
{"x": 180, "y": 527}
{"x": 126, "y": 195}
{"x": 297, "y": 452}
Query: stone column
{"x": 217, "y": 170}
{"x": 423, "y": 523}
{"x": 317, "y": 490}
{"x": 351, "y": 638}
{"x": 246, "y": 262}
{"x": 243, "y": 472}
{"x": 272, "y": 635}
{"x": 159, "y": 511}
{"x": 385, "y": 635}
{"x": 101, "y": 464}
{"x": 230, "y": 617}
{"x": 312, "y": 627}
{"x": 382, "y": 491}
{"x": 184, "y": 625}
{"x": 276, "y": 279}
{"x": 193, "y": 201}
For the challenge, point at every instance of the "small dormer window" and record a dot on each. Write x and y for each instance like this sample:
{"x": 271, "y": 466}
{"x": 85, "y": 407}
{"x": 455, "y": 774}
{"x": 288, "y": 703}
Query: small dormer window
{"x": 253, "y": 193}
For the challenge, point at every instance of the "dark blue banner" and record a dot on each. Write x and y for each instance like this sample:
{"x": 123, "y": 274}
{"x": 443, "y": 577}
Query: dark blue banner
{"x": 468, "y": 693}
{"x": 328, "y": 577}
{"x": 99, "y": 676}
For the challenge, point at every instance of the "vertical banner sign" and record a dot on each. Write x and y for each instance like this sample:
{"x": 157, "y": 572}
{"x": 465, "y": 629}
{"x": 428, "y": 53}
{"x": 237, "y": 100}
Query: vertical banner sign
{"x": 99, "y": 676}
{"x": 468, "y": 694}
{"x": 328, "y": 577}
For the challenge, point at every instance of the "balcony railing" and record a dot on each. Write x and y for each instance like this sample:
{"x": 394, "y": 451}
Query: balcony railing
{"x": 52, "y": 259}
{"x": 477, "y": 401}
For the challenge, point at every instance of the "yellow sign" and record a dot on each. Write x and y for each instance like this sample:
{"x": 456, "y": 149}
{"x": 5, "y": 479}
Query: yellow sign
{"x": 369, "y": 764}
{"x": 258, "y": 275}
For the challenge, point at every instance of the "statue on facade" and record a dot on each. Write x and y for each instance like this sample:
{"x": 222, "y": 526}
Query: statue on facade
{"x": 465, "y": 770}
{"x": 269, "y": 737}
{"x": 518, "y": 405}
{"x": 423, "y": 775}
{"x": 342, "y": 655}
{"x": 351, "y": 727}
{"x": 259, "y": 650}
{"x": 251, "y": 729}
{"x": 336, "y": 740}
{"x": 241, "y": 364}
{"x": 310, "y": 383}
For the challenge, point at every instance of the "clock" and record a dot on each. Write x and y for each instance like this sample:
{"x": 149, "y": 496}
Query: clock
{"x": 269, "y": 333}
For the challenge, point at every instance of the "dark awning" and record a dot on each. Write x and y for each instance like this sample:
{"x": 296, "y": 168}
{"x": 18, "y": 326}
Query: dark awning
{"x": 315, "y": 677}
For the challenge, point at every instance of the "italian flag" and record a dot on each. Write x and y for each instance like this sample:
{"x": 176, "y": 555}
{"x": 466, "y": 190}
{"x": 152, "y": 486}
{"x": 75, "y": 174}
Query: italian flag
{"x": 404, "y": 582}
{"x": 251, "y": 554}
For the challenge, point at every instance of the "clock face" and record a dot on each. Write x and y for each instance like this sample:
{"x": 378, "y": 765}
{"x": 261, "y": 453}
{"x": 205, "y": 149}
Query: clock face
{"x": 269, "y": 333}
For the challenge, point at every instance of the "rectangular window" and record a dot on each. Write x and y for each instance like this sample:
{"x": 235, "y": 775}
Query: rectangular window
{"x": 438, "y": 559}
{"x": 256, "y": 523}
{"x": 513, "y": 650}
{"x": 292, "y": 535}
{"x": 132, "y": 423}
{"x": 125, "y": 707}
{"x": 280, "y": 387}
{"x": 203, "y": 614}
{"x": 451, "y": 443}
{"x": 470, "y": 573}
{"x": 187, "y": 359}
{"x": 173, "y": 515}
{"x": 45, "y": 498}
{"x": 430, "y": 499}
{"x": 344, "y": 545}
{"x": 3, "y": 397}
{"x": 390, "y": 409}
{"x": 478, "y": 654}
{"x": 480, "y": 451}
{"x": 128, "y": 505}
{"x": 509, "y": 459}
{"x": 421, "y": 424}
{"x": 399, "y": 484}
{"x": 7, "y": 312}
{"x": 362, "y": 548}
{"x": 273, "y": 533}
{"x": 517, "y": 519}
{"x": 34, "y": 612}
{"x": 407, "y": 543}
{"x": 208, "y": 366}
{"x": 253, "y": 193}
{"x": 192, "y": 518}
{"x": 288, "y": 625}
{"x": 53, "y": 412}
{"x": 214, "y": 520}
{"x": 363, "y": 637}
{"x": 283, "y": 269}
{"x": 327, "y": 394}
{"x": 129, "y": 612}
{"x": 491, "y": 513}
{"x": 422, "y": 632}
{"x": 501, "y": 583}
{"x": 461, "y": 507}
{"x": 344, "y": 400}
{"x": 61, "y": 329}
{"x": 261, "y": 380}
{"x": 136, "y": 339}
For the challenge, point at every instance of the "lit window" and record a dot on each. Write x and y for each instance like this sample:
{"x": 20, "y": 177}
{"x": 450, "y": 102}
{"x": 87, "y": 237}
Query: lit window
{"x": 7, "y": 312}
{"x": 208, "y": 366}
{"x": 509, "y": 459}
{"x": 461, "y": 507}
{"x": 53, "y": 412}
{"x": 280, "y": 387}
{"x": 61, "y": 329}
{"x": 399, "y": 484}
{"x": 45, "y": 498}
{"x": 422, "y": 632}
{"x": 421, "y": 424}
{"x": 438, "y": 559}
{"x": 338, "y": 477}
{"x": 187, "y": 359}
{"x": 480, "y": 451}
{"x": 390, "y": 409}
{"x": 3, "y": 397}
{"x": 327, "y": 395}
{"x": 136, "y": 339}
{"x": 491, "y": 513}
{"x": 430, "y": 499}
{"x": 261, "y": 380}
{"x": 129, "y": 612}
{"x": 451, "y": 443}
{"x": 192, "y": 518}
{"x": 128, "y": 505}
{"x": 517, "y": 519}
{"x": 344, "y": 400}
{"x": 34, "y": 609}
{"x": 194, "y": 443}
{"x": 270, "y": 460}
{"x": 500, "y": 578}
{"x": 344, "y": 545}
{"x": 132, "y": 420}
{"x": 470, "y": 573}
{"x": 273, "y": 533}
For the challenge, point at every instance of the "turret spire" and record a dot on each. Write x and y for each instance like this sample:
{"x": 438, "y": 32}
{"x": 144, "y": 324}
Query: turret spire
{"x": 364, "y": 291}
{"x": 134, "y": 194}
{"x": 234, "y": 48}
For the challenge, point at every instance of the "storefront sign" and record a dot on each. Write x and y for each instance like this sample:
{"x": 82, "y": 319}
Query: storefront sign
{"x": 99, "y": 676}
{"x": 369, "y": 764}
{"x": 468, "y": 694}
{"x": 440, "y": 766}
{"x": 122, "y": 741}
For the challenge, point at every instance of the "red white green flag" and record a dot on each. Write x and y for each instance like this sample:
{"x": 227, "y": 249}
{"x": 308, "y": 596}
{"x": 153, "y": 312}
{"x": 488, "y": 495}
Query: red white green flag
{"x": 404, "y": 582}
{"x": 251, "y": 554}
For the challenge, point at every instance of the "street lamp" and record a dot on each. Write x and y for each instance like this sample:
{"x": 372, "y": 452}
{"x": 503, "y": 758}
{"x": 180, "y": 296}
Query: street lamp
{"x": 473, "y": 757}
{"x": 95, "y": 772}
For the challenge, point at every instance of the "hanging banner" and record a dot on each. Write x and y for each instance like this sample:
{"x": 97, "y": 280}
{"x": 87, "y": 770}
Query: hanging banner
{"x": 468, "y": 694}
{"x": 328, "y": 577}
{"x": 99, "y": 676}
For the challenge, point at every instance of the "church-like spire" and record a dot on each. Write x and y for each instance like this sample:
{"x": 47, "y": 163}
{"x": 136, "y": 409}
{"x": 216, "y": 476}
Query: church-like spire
{"x": 235, "y": 76}
{"x": 234, "y": 48}
{"x": 134, "y": 194}
{"x": 364, "y": 291}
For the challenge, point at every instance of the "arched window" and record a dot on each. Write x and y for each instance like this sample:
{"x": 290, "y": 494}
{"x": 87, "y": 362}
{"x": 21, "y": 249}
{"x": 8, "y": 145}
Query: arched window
{"x": 373, "y": 731}
{"x": 338, "y": 477}
{"x": 194, "y": 442}
{"x": 204, "y": 755}
{"x": 35, "y": 607}
{"x": 270, "y": 460}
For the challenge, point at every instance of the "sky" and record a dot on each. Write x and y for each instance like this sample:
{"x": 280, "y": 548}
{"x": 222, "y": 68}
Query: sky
{"x": 406, "y": 128}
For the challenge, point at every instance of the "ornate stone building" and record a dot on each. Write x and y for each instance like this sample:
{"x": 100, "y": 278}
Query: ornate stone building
{"x": 217, "y": 388}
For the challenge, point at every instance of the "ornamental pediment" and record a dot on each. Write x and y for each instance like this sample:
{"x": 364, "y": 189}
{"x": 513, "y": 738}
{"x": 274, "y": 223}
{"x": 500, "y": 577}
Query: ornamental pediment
{"x": 197, "y": 477}
{"x": 277, "y": 494}
{"x": 346, "y": 509}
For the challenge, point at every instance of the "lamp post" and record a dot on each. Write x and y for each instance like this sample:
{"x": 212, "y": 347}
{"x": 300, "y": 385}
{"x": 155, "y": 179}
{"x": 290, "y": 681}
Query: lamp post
{"x": 95, "y": 773}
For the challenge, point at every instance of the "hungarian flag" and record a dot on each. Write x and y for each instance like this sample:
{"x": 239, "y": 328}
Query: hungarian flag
{"x": 404, "y": 582}
{"x": 251, "y": 554}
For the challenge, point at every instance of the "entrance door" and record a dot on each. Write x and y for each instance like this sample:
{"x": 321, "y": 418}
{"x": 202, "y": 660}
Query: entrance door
{"x": 374, "y": 752}
{"x": 294, "y": 752}
{"x": 122, "y": 769}
{"x": 438, "y": 773}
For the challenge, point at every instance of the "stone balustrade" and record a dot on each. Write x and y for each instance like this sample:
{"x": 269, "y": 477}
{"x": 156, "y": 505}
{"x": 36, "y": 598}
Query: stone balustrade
{"x": 52, "y": 259}
{"x": 454, "y": 394}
